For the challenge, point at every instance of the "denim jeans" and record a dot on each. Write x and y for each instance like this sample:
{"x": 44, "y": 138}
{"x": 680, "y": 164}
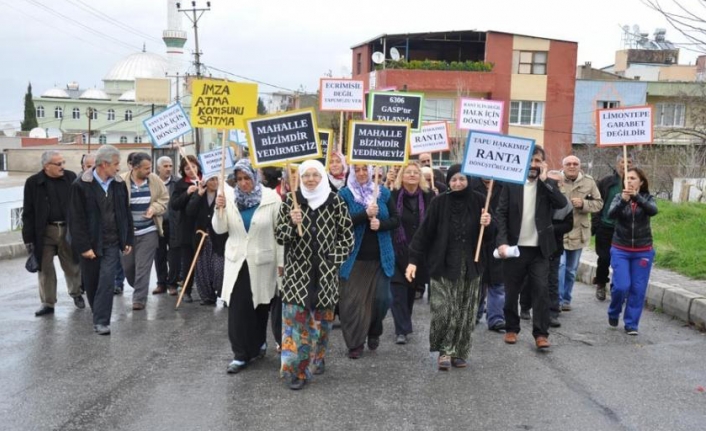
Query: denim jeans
{"x": 495, "y": 301}
{"x": 568, "y": 266}
{"x": 631, "y": 273}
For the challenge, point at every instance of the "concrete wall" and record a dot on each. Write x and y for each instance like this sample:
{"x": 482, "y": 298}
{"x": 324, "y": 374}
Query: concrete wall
{"x": 689, "y": 190}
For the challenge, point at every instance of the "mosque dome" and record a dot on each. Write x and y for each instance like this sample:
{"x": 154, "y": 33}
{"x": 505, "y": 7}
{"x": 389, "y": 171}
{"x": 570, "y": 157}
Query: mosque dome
{"x": 128, "y": 96}
{"x": 56, "y": 93}
{"x": 138, "y": 65}
{"x": 94, "y": 94}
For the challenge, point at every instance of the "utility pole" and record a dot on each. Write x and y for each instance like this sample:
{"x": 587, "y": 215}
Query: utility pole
{"x": 194, "y": 14}
{"x": 89, "y": 112}
{"x": 177, "y": 77}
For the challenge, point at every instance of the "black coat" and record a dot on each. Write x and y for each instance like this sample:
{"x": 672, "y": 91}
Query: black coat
{"x": 509, "y": 214}
{"x": 409, "y": 221}
{"x": 604, "y": 186}
{"x": 86, "y": 219}
{"x": 493, "y": 273}
{"x": 173, "y": 215}
{"x": 563, "y": 222}
{"x": 431, "y": 244}
{"x": 632, "y": 225}
{"x": 199, "y": 209}
{"x": 186, "y": 225}
{"x": 35, "y": 211}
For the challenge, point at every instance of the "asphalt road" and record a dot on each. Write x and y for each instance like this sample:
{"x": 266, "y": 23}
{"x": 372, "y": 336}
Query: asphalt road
{"x": 163, "y": 369}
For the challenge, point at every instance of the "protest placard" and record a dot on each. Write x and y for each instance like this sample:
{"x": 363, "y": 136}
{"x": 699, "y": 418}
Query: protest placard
{"x": 326, "y": 140}
{"x": 283, "y": 138}
{"x": 222, "y": 104}
{"x": 432, "y": 138}
{"x": 500, "y": 157}
{"x": 211, "y": 161}
{"x": 168, "y": 125}
{"x": 481, "y": 115}
{"x": 396, "y": 107}
{"x": 238, "y": 137}
{"x": 377, "y": 142}
{"x": 341, "y": 95}
{"x": 624, "y": 126}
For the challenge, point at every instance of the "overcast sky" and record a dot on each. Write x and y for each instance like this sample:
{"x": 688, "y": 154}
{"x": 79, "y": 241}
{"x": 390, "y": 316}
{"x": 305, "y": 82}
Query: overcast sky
{"x": 285, "y": 43}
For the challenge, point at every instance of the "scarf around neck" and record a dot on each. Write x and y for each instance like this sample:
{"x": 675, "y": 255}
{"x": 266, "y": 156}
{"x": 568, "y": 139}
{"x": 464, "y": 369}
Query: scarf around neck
{"x": 339, "y": 181}
{"x": 400, "y": 234}
{"x": 362, "y": 193}
{"x": 247, "y": 200}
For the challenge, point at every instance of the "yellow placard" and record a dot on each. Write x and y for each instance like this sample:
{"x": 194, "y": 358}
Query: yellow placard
{"x": 220, "y": 104}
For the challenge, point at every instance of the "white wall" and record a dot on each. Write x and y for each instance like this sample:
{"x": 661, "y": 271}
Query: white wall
{"x": 696, "y": 190}
{"x": 10, "y": 198}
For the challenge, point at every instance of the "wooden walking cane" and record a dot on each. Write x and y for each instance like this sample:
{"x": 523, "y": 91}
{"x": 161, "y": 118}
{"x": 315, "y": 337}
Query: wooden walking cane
{"x": 193, "y": 265}
{"x": 482, "y": 227}
{"x": 293, "y": 188}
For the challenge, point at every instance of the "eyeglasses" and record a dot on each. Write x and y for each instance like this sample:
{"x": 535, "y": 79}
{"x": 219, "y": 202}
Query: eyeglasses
{"x": 314, "y": 175}
{"x": 571, "y": 164}
{"x": 57, "y": 163}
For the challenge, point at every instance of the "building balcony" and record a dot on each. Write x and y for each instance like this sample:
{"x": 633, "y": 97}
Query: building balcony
{"x": 435, "y": 80}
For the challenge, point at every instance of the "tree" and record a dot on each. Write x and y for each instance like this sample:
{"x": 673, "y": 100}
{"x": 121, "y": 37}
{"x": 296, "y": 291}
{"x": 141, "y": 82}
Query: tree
{"x": 30, "y": 121}
{"x": 261, "y": 110}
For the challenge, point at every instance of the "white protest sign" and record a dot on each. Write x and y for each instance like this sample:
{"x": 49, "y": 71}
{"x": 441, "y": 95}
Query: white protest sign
{"x": 341, "y": 95}
{"x": 500, "y": 157}
{"x": 238, "y": 137}
{"x": 624, "y": 126}
{"x": 168, "y": 125}
{"x": 432, "y": 138}
{"x": 481, "y": 115}
{"x": 211, "y": 161}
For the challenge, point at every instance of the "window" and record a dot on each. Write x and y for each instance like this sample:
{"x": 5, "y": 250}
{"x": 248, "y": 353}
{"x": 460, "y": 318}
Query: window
{"x": 16, "y": 218}
{"x": 123, "y": 139}
{"x": 94, "y": 113}
{"x": 359, "y": 64}
{"x": 102, "y": 140}
{"x": 530, "y": 62}
{"x": 128, "y": 115}
{"x": 669, "y": 115}
{"x": 76, "y": 114}
{"x": 527, "y": 113}
{"x": 111, "y": 114}
{"x": 607, "y": 104}
{"x": 58, "y": 112}
{"x": 439, "y": 109}
{"x": 40, "y": 111}
{"x": 138, "y": 139}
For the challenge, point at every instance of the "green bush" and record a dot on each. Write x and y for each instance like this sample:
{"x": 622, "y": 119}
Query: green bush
{"x": 466, "y": 66}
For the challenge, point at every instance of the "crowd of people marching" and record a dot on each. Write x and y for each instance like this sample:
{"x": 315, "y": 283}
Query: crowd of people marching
{"x": 298, "y": 248}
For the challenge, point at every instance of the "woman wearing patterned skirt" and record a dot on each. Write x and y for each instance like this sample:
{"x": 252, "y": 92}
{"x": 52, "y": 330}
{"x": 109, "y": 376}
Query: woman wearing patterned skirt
{"x": 447, "y": 241}
{"x": 209, "y": 266}
{"x": 310, "y": 284}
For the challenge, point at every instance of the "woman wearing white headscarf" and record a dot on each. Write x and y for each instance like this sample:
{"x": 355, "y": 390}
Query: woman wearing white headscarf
{"x": 310, "y": 283}
{"x": 248, "y": 213}
{"x": 337, "y": 171}
{"x": 365, "y": 276}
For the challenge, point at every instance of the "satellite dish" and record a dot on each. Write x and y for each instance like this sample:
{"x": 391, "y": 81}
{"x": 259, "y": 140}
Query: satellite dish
{"x": 378, "y": 57}
{"x": 9, "y": 130}
{"x": 38, "y": 132}
{"x": 53, "y": 132}
{"x": 394, "y": 54}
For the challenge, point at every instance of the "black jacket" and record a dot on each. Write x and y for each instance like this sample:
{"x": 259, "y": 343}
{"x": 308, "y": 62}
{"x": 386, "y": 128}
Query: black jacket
{"x": 409, "y": 221}
{"x": 172, "y": 215}
{"x": 604, "y": 186}
{"x": 35, "y": 211}
{"x": 86, "y": 220}
{"x": 431, "y": 243}
{"x": 186, "y": 225}
{"x": 632, "y": 225}
{"x": 509, "y": 214}
{"x": 493, "y": 273}
{"x": 563, "y": 222}
{"x": 199, "y": 209}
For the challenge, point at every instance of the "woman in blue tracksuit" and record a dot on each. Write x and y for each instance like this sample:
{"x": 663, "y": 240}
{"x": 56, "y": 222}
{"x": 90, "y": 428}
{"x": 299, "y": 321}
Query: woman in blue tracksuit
{"x": 631, "y": 254}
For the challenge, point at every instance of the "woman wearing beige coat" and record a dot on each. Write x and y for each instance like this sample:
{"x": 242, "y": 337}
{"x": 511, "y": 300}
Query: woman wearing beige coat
{"x": 248, "y": 213}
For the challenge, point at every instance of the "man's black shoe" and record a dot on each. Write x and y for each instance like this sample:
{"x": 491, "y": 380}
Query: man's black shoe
{"x": 79, "y": 302}
{"x": 554, "y": 322}
{"x": 525, "y": 315}
{"x": 45, "y": 309}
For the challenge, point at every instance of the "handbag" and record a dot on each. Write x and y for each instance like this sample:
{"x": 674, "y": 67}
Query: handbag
{"x": 32, "y": 265}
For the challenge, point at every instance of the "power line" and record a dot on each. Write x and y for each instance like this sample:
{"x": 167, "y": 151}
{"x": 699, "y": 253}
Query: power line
{"x": 102, "y": 16}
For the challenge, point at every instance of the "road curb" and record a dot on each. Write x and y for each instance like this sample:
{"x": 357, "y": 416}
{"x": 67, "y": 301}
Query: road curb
{"x": 11, "y": 251}
{"x": 671, "y": 300}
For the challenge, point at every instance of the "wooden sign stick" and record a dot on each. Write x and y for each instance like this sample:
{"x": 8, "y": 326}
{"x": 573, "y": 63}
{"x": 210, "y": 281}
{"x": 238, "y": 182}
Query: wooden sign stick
{"x": 340, "y": 134}
{"x": 293, "y": 188}
{"x": 625, "y": 166}
{"x": 482, "y": 228}
{"x": 194, "y": 172}
{"x": 222, "y": 179}
{"x": 193, "y": 265}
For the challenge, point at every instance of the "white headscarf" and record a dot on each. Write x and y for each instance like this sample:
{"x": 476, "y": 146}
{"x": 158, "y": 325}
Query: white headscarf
{"x": 315, "y": 198}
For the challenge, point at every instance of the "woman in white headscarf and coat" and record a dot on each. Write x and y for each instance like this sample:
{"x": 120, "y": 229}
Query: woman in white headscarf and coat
{"x": 253, "y": 259}
{"x": 310, "y": 284}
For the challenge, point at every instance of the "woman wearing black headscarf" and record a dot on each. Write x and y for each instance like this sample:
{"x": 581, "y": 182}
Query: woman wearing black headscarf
{"x": 446, "y": 241}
